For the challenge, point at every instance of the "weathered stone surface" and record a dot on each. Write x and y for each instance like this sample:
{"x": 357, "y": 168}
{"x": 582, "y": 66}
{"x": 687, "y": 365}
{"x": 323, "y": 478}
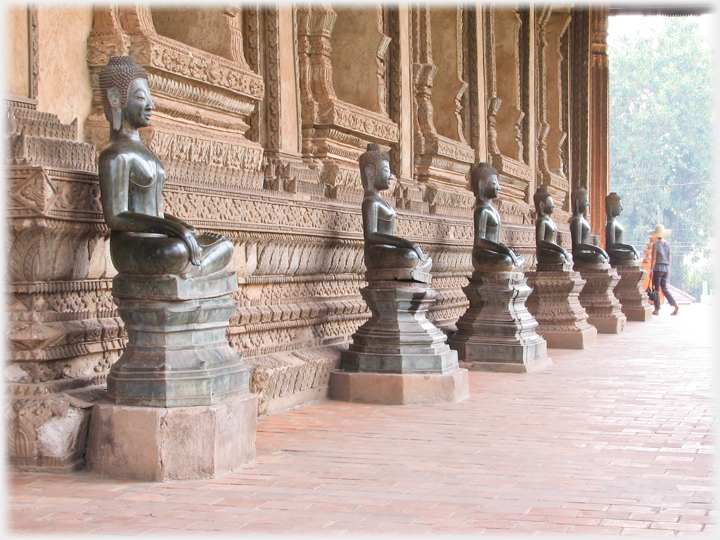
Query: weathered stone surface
{"x": 597, "y": 297}
{"x": 177, "y": 353}
{"x": 400, "y": 389}
{"x": 497, "y": 332}
{"x": 179, "y": 443}
{"x": 398, "y": 338}
{"x": 629, "y": 292}
{"x": 285, "y": 380}
{"x": 555, "y": 304}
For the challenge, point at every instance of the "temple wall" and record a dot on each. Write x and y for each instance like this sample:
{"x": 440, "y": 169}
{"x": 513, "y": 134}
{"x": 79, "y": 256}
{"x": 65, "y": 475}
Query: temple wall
{"x": 16, "y": 58}
{"x": 64, "y": 80}
{"x": 261, "y": 115}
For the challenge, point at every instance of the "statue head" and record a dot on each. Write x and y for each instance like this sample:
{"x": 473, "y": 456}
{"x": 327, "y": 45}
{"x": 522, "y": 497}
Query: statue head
{"x": 484, "y": 181}
{"x": 543, "y": 201}
{"x": 579, "y": 200}
{"x": 115, "y": 79}
{"x": 613, "y": 206}
{"x": 375, "y": 167}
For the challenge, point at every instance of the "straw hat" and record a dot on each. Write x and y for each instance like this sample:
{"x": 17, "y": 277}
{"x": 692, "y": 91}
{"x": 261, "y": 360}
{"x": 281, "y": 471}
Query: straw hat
{"x": 660, "y": 231}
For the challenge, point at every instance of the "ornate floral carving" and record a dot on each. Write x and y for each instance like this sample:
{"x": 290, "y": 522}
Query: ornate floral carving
{"x": 34, "y": 51}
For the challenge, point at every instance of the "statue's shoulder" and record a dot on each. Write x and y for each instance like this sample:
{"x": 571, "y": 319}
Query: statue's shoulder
{"x": 113, "y": 153}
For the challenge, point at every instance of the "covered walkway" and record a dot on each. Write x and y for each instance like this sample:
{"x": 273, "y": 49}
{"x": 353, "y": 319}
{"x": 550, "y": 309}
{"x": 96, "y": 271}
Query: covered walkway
{"x": 616, "y": 439}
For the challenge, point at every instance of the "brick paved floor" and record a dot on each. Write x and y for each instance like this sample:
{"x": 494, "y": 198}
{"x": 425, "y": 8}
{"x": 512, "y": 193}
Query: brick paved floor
{"x": 616, "y": 439}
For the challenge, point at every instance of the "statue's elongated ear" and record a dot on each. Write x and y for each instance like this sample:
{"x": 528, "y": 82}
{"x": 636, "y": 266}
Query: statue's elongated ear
{"x": 115, "y": 101}
{"x": 370, "y": 171}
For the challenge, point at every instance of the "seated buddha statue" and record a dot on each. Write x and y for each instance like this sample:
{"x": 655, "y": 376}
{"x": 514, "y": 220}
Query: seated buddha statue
{"x": 619, "y": 253}
{"x": 488, "y": 253}
{"x": 144, "y": 240}
{"x": 384, "y": 250}
{"x": 548, "y": 251}
{"x": 583, "y": 251}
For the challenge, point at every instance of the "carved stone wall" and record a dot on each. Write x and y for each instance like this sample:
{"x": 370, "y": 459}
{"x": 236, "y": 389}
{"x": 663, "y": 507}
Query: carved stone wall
{"x": 262, "y": 112}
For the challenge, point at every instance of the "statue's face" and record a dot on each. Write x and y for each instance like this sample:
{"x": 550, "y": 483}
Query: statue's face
{"x": 617, "y": 208}
{"x": 582, "y": 204}
{"x": 549, "y": 205}
{"x": 139, "y": 106}
{"x": 492, "y": 187}
{"x": 383, "y": 176}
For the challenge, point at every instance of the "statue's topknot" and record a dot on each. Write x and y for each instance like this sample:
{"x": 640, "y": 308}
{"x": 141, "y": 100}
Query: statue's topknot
{"x": 372, "y": 156}
{"x": 119, "y": 72}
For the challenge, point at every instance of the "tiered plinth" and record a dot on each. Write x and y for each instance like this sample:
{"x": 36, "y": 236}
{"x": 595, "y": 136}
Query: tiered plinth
{"x": 182, "y": 406}
{"x": 398, "y": 356}
{"x": 177, "y": 353}
{"x": 630, "y": 293}
{"x": 597, "y": 297}
{"x": 555, "y": 304}
{"x": 497, "y": 332}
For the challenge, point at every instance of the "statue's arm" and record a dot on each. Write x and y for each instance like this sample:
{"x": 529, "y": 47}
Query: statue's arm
{"x": 178, "y": 220}
{"x": 373, "y": 236}
{"x": 609, "y": 233}
{"x": 610, "y": 242}
{"x": 481, "y": 233}
{"x": 114, "y": 185}
{"x": 540, "y": 241}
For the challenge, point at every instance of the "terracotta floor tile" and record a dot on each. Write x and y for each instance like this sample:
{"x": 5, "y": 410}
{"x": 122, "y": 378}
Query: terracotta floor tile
{"x": 616, "y": 439}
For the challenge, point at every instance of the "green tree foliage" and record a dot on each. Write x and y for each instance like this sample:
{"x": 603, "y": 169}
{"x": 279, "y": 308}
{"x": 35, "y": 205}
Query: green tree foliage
{"x": 661, "y": 141}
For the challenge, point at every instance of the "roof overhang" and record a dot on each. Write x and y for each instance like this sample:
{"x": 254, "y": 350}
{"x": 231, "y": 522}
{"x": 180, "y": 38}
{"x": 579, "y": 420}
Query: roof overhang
{"x": 660, "y": 8}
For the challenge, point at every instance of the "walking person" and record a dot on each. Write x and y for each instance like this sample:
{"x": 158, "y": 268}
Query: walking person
{"x": 660, "y": 266}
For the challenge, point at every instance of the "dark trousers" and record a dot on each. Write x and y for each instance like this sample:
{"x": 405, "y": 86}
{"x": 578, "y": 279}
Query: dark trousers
{"x": 660, "y": 282}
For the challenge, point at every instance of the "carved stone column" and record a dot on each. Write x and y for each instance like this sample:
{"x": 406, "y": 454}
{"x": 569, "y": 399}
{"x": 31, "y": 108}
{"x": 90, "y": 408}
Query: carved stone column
{"x": 442, "y": 154}
{"x": 599, "y": 120}
{"x": 552, "y": 24}
{"x": 337, "y": 123}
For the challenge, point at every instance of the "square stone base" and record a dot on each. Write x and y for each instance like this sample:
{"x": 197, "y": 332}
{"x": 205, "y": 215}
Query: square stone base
{"x": 641, "y": 314}
{"x": 608, "y": 325}
{"x": 537, "y": 364}
{"x": 399, "y": 389}
{"x": 179, "y": 443}
{"x": 579, "y": 339}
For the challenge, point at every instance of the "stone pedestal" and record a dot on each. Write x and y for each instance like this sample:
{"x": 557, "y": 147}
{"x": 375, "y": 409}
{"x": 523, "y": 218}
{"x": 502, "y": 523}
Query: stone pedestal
{"x": 399, "y": 356}
{"x": 177, "y": 353}
{"x": 497, "y": 333}
{"x": 554, "y": 303}
{"x": 181, "y": 406}
{"x": 597, "y": 297}
{"x": 158, "y": 443}
{"x": 630, "y": 293}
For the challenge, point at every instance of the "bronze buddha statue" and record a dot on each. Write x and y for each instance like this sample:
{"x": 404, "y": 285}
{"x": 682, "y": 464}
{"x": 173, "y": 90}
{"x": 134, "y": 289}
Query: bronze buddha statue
{"x": 144, "y": 240}
{"x": 618, "y": 252}
{"x": 583, "y": 251}
{"x": 548, "y": 251}
{"x": 384, "y": 250}
{"x": 488, "y": 253}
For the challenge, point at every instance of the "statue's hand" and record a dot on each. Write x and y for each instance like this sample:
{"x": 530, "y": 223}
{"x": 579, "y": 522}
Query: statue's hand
{"x": 187, "y": 234}
{"x": 193, "y": 248}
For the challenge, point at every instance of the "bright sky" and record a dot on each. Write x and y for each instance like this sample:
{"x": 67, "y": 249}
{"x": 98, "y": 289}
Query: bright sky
{"x": 631, "y": 25}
